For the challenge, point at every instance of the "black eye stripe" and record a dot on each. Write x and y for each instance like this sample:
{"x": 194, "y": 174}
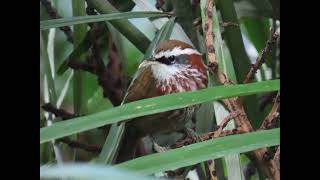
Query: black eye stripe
{"x": 168, "y": 61}
{"x": 172, "y": 58}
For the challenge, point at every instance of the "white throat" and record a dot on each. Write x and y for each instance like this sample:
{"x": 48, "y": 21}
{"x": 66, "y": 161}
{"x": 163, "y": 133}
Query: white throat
{"x": 166, "y": 76}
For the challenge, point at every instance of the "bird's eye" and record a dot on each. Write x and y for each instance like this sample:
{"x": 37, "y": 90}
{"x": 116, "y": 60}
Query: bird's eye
{"x": 172, "y": 59}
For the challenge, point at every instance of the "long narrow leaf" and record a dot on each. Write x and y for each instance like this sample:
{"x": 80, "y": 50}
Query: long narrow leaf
{"x": 152, "y": 106}
{"x": 55, "y": 23}
{"x": 163, "y": 34}
{"x": 127, "y": 29}
{"x": 202, "y": 151}
{"x": 88, "y": 171}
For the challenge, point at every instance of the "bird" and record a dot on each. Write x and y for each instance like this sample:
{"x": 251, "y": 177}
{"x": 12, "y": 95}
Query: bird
{"x": 175, "y": 66}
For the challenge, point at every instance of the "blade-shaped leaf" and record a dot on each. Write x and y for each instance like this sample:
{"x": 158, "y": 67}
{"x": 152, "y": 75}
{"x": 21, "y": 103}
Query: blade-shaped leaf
{"x": 132, "y": 33}
{"x": 163, "y": 34}
{"x": 177, "y": 32}
{"x": 82, "y": 47}
{"x": 253, "y": 8}
{"x": 195, "y": 153}
{"x": 152, "y": 106}
{"x": 55, "y": 23}
{"x": 111, "y": 144}
{"x": 87, "y": 171}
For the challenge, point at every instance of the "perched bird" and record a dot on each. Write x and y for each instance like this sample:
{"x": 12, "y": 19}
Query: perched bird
{"x": 175, "y": 66}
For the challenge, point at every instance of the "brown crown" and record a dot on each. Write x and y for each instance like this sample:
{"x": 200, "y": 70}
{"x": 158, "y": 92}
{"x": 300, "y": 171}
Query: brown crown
{"x": 170, "y": 44}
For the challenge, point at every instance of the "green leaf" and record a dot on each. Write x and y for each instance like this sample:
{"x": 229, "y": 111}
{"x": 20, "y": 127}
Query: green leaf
{"x": 79, "y": 82}
{"x": 182, "y": 10}
{"x": 134, "y": 35}
{"x": 195, "y": 153}
{"x": 257, "y": 30}
{"x": 177, "y": 32}
{"x": 111, "y": 144}
{"x": 87, "y": 171}
{"x": 152, "y": 106}
{"x": 253, "y": 8}
{"x": 55, "y": 23}
{"x": 98, "y": 103}
{"x": 163, "y": 34}
{"x": 81, "y": 48}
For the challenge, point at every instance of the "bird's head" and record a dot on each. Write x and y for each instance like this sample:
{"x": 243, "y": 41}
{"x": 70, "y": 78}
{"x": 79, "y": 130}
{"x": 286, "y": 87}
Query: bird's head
{"x": 176, "y": 66}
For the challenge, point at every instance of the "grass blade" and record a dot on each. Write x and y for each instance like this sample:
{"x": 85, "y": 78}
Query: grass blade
{"x": 111, "y": 144}
{"x": 55, "y": 23}
{"x": 79, "y": 99}
{"x": 152, "y": 106}
{"x": 177, "y": 32}
{"x": 202, "y": 151}
{"x": 163, "y": 34}
{"x": 122, "y": 25}
{"x": 87, "y": 171}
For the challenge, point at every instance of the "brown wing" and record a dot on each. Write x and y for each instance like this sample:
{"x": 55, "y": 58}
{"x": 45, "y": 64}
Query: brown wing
{"x": 143, "y": 87}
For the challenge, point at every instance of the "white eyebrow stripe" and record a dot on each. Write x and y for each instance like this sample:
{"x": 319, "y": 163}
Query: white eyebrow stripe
{"x": 176, "y": 52}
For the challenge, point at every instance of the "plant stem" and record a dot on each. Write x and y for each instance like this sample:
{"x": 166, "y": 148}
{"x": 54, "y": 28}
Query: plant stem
{"x": 133, "y": 34}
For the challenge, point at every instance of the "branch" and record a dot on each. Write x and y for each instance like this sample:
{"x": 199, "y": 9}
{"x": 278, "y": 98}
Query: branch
{"x": 54, "y": 15}
{"x": 79, "y": 65}
{"x": 109, "y": 77}
{"x": 272, "y": 118}
{"x": 79, "y": 145}
{"x": 207, "y": 136}
{"x": 226, "y": 120}
{"x": 262, "y": 58}
{"x": 235, "y": 104}
{"x": 276, "y": 157}
{"x": 57, "y": 112}
{"x": 228, "y": 24}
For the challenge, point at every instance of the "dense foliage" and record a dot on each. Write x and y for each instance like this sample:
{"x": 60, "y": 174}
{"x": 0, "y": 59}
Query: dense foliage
{"x": 89, "y": 52}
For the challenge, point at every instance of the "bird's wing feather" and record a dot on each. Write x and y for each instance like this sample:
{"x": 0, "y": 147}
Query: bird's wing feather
{"x": 142, "y": 87}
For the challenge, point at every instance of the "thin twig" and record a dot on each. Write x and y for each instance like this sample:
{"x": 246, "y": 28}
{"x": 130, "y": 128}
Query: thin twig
{"x": 234, "y": 104}
{"x": 226, "y": 120}
{"x": 54, "y": 15}
{"x": 79, "y": 65}
{"x": 272, "y": 118}
{"x": 276, "y": 157}
{"x": 262, "y": 57}
{"x": 57, "y": 112}
{"x": 228, "y": 24}
{"x": 80, "y": 145}
{"x": 207, "y": 136}
{"x": 197, "y": 22}
{"x": 212, "y": 170}
{"x": 108, "y": 76}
